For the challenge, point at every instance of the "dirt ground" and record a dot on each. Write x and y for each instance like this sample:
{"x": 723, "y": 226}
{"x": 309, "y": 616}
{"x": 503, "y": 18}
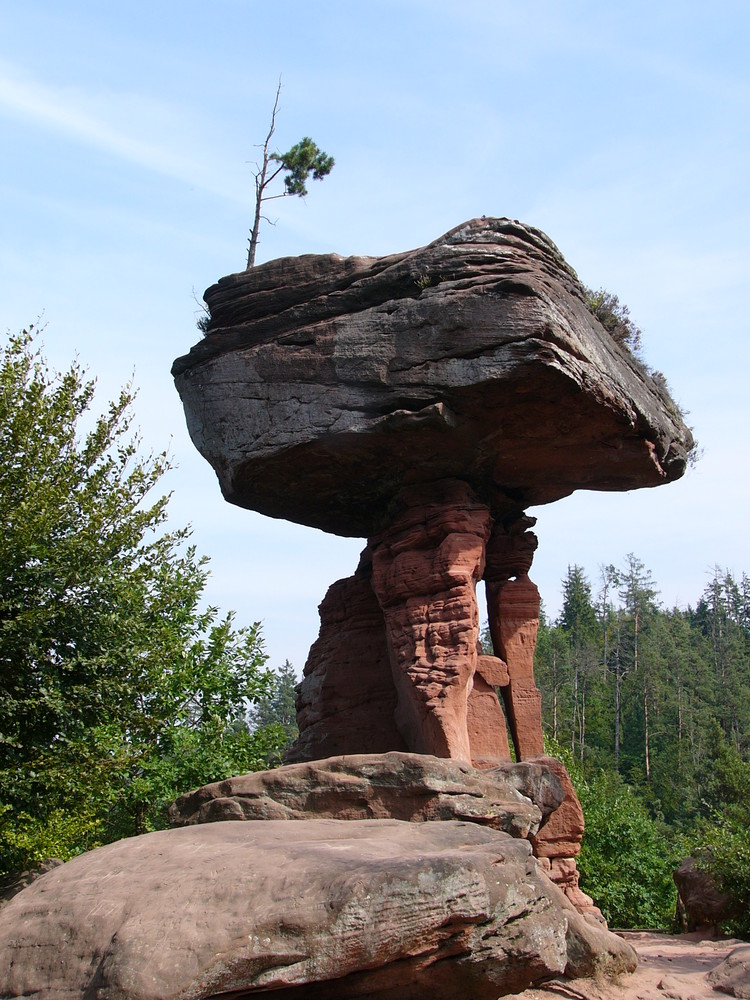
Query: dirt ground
{"x": 670, "y": 967}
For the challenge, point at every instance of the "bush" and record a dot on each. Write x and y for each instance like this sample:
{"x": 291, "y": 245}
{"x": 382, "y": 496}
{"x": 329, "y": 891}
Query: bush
{"x": 627, "y": 857}
{"x": 615, "y": 318}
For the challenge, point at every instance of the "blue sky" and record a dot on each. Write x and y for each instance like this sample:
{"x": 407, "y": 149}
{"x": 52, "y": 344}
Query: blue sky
{"x": 621, "y": 130}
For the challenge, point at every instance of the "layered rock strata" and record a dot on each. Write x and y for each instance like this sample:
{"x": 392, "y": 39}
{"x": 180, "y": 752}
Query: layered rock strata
{"x": 398, "y": 665}
{"x": 409, "y": 787}
{"x": 425, "y": 568}
{"x": 423, "y": 400}
{"x": 325, "y": 385}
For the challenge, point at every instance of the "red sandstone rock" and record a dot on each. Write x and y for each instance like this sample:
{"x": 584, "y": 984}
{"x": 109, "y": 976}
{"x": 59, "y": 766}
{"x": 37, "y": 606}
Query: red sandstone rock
{"x": 425, "y": 567}
{"x": 424, "y": 400}
{"x": 488, "y": 735}
{"x": 347, "y": 698}
{"x": 559, "y": 842}
{"x": 561, "y": 835}
{"x": 513, "y": 611}
{"x": 702, "y": 902}
{"x": 401, "y": 786}
{"x": 514, "y": 618}
{"x": 323, "y": 909}
{"x": 732, "y": 976}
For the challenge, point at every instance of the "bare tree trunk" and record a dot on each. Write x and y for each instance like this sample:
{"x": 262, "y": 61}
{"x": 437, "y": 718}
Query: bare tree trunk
{"x": 261, "y": 180}
{"x": 618, "y": 700}
{"x": 582, "y": 739}
{"x": 645, "y": 721}
{"x": 554, "y": 694}
{"x": 679, "y": 723}
{"x": 576, "y": 715}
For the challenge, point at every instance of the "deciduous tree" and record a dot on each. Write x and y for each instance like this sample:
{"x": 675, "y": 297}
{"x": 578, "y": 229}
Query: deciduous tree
{"x": 117, "y": 688}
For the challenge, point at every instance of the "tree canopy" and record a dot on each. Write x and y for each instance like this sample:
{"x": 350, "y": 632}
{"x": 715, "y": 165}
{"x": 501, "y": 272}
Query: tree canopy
{"x": 118, "y": 689}
{"x": 651, "y": 707}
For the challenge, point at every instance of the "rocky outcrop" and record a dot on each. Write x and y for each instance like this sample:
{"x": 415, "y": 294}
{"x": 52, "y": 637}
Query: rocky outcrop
{"x": 325, "y": 385}
{"x": 513, "y": 616}
{"x": 397, "y": 664}
{"x": 533, "y": 800}
{"x": 347, "y": 701}
{"x": 423, "y": 401}
{"x": 558, "y": 842}
{"x": 485, "y": 719}
{"x": 700, "y": 901}
{"x": 323, "y": 909}
{"x": 732, "y": 976}
{"x": 400, "y": 786}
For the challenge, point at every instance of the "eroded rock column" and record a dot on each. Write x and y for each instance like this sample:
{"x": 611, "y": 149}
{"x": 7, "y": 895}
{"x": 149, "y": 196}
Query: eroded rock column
{"x": 425, "y": 568}
{"x": 488, "y": 733}
{"x": 513, "y": 611}
{"x": 346, "y": 701}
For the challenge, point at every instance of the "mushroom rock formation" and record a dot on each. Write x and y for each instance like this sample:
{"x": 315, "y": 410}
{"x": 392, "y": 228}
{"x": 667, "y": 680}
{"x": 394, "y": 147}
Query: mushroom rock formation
{"x": 325, "y": 385}
{"x": 423, "y": 401}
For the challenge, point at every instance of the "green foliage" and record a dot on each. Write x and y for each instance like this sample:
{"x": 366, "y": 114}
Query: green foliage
{"x": 721, "y": 841}
{"x": 301, "y": 161}
{"x": 650, "y": 710}
{"x": 275, "y": 710}
{"x": 615, "y": 318}
{"x": 117, "y": 690}
{"x": 723, "y": 850}
{"x": 627, "y": 857}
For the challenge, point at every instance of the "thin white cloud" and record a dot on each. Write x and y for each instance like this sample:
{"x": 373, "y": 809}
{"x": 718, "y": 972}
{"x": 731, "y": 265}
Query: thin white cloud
{"x": 95, "y": 123}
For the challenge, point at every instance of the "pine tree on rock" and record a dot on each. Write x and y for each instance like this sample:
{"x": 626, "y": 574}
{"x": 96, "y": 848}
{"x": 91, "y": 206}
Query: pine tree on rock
{"x": 297, "y": 165}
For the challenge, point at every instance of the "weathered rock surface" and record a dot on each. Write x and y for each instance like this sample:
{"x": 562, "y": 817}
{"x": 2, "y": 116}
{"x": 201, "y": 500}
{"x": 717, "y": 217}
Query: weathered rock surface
{"x": 347, "y": 701}
{"x": 381, "y": 786}
{"x": 732, "y": 976}
{"x": 514, "y": 797}
{"x": 558, "y": 842}
{"x": 11, "y": 885}
{"x": 326, "y": 385}
{"x": 423, "y": 401}
{"x": 513, "y": 616}
{"x": 322, "y": 909}
{"x": 425, "y": 568}
{"x": 562, "y": 833}
{"x": 397, "y": 664}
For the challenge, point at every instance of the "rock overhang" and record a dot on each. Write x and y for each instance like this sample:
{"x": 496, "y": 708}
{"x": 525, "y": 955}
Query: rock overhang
{"x": 326, "y": 385}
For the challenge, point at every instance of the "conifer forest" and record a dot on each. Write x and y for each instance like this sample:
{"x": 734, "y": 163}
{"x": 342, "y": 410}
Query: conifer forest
{"x": 650, "y": 707}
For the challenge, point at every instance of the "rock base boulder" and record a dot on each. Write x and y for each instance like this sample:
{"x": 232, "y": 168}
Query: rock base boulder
{"x": 405, "y": 786}
{"x": 700, "y": 902}
{"x": 732, "y": 976}
{"x": 324, "y": 909}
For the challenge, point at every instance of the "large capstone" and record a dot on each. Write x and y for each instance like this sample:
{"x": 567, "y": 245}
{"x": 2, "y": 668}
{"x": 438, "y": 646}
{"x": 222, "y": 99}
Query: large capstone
{"x": 327, "y": 384}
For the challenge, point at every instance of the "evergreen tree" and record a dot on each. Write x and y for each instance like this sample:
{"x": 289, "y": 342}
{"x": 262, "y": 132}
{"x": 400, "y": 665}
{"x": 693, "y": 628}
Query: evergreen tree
{"x": 296, "y": 166}
{"x": 276, "y": 708}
